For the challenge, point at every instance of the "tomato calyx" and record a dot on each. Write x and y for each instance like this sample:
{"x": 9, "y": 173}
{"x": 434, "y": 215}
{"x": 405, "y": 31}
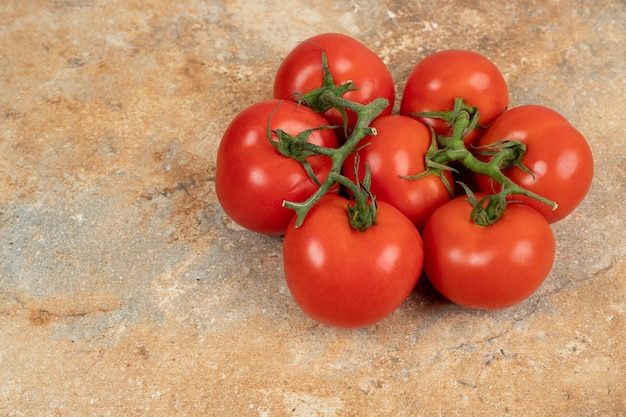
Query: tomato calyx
{"x": 488, "y": 209}
{"x": 506, "y": 153}
{"x": 362, "y": 206}
{"x": 433, "y": 167}
{"x": 297, "y": 147}
{"x": 319, "y": 99}
{"x": 462, "y": 118}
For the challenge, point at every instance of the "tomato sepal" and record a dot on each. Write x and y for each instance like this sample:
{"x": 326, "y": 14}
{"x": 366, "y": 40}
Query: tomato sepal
{"x": 297, "y": 147}
{"x": 460, "y": 111}
{"x": 507, "y": 153}
{"x": 488, "y": 209}
{"x": 317, "y": 99}
{"x": 433, "y": 167}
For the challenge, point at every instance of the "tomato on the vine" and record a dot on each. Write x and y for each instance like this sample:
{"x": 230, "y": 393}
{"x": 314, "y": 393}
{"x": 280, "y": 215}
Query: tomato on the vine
{"x": 253, "y": 178}
{"x": 396, "y": 151}
{"x": 487, "y": 267}
{"x": 558, "y": 157}
{"x": 438, "y": 79}
{"x": 348, "y": 60}
{"x": 347, "y": 278}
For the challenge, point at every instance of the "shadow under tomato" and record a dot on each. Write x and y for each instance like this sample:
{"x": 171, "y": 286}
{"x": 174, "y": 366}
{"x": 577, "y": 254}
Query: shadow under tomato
{"x": 424, "y": 292}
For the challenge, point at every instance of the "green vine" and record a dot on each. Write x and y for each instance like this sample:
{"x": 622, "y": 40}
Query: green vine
{"x": 442, "y": 154}
{"x": 504, "y": 154}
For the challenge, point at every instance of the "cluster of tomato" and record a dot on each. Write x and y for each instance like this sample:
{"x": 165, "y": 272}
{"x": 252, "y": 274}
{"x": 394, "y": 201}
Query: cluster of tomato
{"x": 367, "y": 200}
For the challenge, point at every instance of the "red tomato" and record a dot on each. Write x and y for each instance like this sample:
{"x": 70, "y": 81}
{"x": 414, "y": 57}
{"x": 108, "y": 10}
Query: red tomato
{"x": 556, "y": 153}
{"x": 348, "y": 60}
{"x": 438, "y": 79}
{"x": 487, "y": 267}
{"x": 346, "y": 278}
{"x": 398, "y": 150}
{"x": 253, "y": 179}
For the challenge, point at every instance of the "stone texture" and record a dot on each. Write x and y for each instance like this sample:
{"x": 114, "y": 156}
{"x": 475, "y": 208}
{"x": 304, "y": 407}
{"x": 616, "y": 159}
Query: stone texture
{"x": 125, "y": 290}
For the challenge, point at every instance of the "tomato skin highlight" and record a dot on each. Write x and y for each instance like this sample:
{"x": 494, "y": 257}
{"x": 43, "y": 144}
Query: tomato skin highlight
{"x": 348, "y": 60}
{"x": 398, "y": 150}
{"x": 492, "y": 267}
{"x": 557, "y": 154}
{"x": 345, "y": 278}
{"x": 253, "y": 179}
{"x": 439, "y": 78}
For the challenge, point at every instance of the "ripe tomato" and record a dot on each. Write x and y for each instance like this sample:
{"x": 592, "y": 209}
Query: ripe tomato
{"x": 438, "y": 79}
{"x": 253, "y": 179}
{"x": 346, "y": 278}
{"x": 398, "y": 150}
{"x": 487, "y": 267}
{"x": 348, "y": 60}
{"x": 556, "y": 153}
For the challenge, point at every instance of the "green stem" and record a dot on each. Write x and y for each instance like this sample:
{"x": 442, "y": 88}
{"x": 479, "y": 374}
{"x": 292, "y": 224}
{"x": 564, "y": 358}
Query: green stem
{"x": 452, "y": 149}
{"x": 365, "y": 115}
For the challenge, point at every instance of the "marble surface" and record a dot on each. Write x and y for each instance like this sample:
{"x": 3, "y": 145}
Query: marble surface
{"x": 125, "y": 290}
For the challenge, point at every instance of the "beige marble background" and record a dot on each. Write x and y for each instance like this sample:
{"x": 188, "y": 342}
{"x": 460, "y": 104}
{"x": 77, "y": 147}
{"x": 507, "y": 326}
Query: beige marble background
{"x": 126, "y": 291}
